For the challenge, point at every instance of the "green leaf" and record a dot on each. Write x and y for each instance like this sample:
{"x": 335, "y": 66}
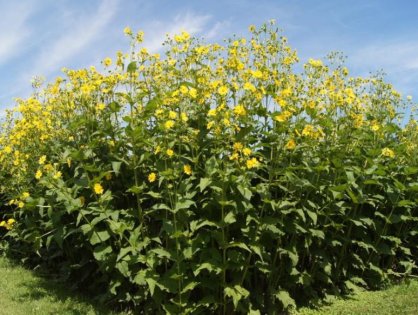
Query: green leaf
{"x": 230, "y": 218}
{"x": 312, "y": 215}
{"x": 184, "y": 204}
{"x": 196, "y": 225}
{"x": 204, "y": 183}
{"x": 285, "y": 298}
{"x": 257, "y": 250}
{"x": 209, "y": 267}
{"x": 140, "y": 277}
{"x": 317, "y": 233}
{"x": 239, "y": 245}
{"x": 116, "y": 167}
{"x": 100, "y": 252}
{"x": 151, "y": 284}
{"x": 123, "y": 267}
{"x": 236, "y": 293}
{"x": 190, "y": 286}
{"x": 99, "y": 237}
{"x": 132, "y": 67}
{"x": 245, "y": 192}
{"x": 161, "y": 253}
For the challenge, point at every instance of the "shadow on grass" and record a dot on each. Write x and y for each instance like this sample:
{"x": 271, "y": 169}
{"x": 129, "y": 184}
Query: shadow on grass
{"x": 42, "y": 288}
{"x": 54, "y": 291}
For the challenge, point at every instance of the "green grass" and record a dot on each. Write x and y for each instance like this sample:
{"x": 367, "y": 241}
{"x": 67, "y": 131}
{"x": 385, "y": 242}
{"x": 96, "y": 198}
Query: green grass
{"x": 401, "y": 299}
{"x": 22, "y": 292}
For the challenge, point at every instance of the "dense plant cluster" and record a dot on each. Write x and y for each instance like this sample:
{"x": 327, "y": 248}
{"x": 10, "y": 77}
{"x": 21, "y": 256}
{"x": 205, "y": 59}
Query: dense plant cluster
{"x": 215, "y": 179}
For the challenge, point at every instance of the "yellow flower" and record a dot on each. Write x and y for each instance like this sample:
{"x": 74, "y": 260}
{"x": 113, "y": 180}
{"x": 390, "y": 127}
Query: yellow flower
{"x": 98, "y": 189}
{"x": 99, "y": 107}
{"x": 388, "y": 153}
{"x": 184, "y": 36}
{"x": 211, "y": 112}
{"x": 158, "y": 112}
{"x": 127, "y": 30}
{"x": 172, "y": 115}
{"x": 107, "y": 61}
{"x": 48, "y": 167}
{"x": 25, "y": 195}
{"x": 246, "y": 151}
{"x": 140, "y": 36}
{"x": 11, "y": 221}
{"x": 234, "y": 156}
{"x": 252, "y": 163}
{"x": 169, "y": 152}
{"x": 210, "y": 124}
{"x": 239, "y": 110}
{"x": 169, "y": 124}
{"x": 8, "y": 149}
{"x": 312, "y": 132}
{"x": 152, "y": 177}
{"x": 184, "y": 89}
{"x": 21, "y": 204}
{"x": 290, "y": 145}
{"x": 223, "y": 90}
{"x": 193, "y": 93}
{"x": 69, "y": 162}
{"x": 375, "y": 126}
{"x": 38, "y": 174}
{"x": 42, "y": 159}
{"x": 57, "y": 175}
{"x": 238, "y": 146}
{"x": 157, "y": 149}
{"x": 249, "y": 87}
{"x": 184, "y": 117}
{"x": 257, "y": 74}
{"x": 187, "y": 169}
{"x": 8, "y": 225}
{"x": 315, "y": 63}
{"x": 283, "y": 116}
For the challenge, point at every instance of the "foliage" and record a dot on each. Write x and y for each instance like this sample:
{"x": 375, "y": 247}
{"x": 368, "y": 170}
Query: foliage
{"x": 215, "y": 179}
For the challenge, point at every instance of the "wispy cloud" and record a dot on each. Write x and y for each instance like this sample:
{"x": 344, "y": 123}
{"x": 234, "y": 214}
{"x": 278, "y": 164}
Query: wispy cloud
{"x": 220, "y": 28}
{"x": 80, "y": 33}
{"x": 401, "y": 55}
{"x": 397, "y": 58}
{"x": 190, "y": 22}
{"x": 14, "y": 29}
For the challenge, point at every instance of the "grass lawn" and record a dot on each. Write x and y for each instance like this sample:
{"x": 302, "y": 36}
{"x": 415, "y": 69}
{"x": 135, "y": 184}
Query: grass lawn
{"x": 22, "y": 293}
{"x": 401, "y": 299}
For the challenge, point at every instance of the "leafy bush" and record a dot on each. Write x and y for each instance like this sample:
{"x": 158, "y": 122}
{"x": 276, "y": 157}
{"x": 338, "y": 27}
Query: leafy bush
{"x": 215, "y": 179}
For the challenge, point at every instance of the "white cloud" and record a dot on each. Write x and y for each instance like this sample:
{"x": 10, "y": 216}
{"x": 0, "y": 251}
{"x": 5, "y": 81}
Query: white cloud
{"x": 218, "y": 29}
{"x": 400, "y": 55}
{"x": 190, "y": 22}
{"x": 398, "y": 59}
{"x": 14, "y": 29}
{"x": 82, "y": 32}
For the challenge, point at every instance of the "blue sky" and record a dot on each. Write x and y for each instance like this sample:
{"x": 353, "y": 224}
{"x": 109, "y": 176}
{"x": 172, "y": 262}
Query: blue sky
{"x": 39, "y": 37}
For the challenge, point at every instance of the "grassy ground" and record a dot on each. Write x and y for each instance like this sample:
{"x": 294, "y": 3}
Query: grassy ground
{"x": 23, "y": 293}
{"x": 401, "y": 299}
